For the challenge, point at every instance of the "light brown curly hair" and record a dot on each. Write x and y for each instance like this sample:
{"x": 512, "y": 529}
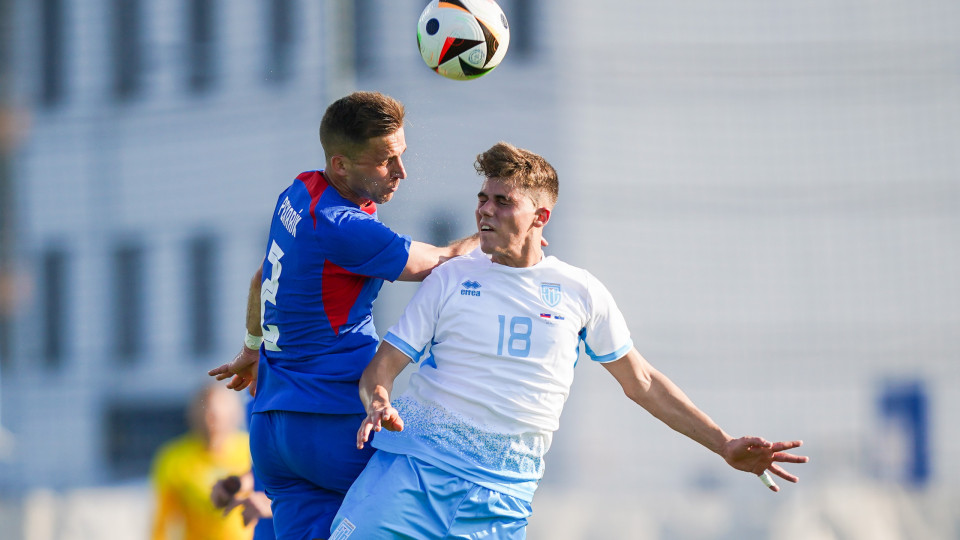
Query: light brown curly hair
{"x": 521, "y": 169}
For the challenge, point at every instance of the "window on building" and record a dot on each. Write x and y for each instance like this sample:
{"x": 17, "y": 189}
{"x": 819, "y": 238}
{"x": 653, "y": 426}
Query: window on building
{"x": 128, "y": 303}
{"x": 52, "y": 46}
{"x": 54, "y": 307}
{"x": 366, "y": 33}
{"x": 201, "y": 255}
{"x": 280, "y": 40}
{"x": 134, "y": 432}
{"x": 441, "y": 229}
{"x": 201, "y": 44}
{"x": 127, "y": 48}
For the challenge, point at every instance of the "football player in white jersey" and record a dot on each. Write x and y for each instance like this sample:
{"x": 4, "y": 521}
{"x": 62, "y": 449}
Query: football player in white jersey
{"x": 496, "y": 333}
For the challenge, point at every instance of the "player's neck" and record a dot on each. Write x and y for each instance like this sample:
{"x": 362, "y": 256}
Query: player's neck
{"x": 340, "y": 184}
{"x": 524, "y": 257}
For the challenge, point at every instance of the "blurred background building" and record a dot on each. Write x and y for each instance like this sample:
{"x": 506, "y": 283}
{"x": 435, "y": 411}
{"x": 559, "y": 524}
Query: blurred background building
{"x": 771, "y": 191}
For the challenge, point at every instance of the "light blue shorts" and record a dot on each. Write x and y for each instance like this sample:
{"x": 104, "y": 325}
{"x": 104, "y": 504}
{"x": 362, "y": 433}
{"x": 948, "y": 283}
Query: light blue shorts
{"x": 398, "y": 496}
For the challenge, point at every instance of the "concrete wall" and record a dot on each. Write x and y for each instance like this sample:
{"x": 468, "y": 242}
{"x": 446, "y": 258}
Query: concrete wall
{"x": 769, "y": 191}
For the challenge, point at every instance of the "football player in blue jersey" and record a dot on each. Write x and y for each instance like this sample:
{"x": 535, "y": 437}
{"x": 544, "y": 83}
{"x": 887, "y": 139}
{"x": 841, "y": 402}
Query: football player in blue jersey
{"x": 496, "y": 334}
{"x": 310, "y": 331}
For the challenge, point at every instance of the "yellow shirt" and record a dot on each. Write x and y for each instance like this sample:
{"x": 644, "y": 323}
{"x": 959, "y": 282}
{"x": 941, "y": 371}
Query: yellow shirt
{"x": 183, "y": 474}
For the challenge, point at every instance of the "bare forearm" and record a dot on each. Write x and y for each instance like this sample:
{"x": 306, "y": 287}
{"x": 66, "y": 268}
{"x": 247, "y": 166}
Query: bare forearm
{"x": 656, "y": 393}
{"x": 374, "y": 388}
{"x": 464, "y": 245}
{"x": 253, "y": 304}
{"x": 668, "y": 403}
{"x": 376, "y": 383}
{"x": 425, "y": 257}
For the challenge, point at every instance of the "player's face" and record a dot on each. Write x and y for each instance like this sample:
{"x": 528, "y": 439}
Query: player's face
{"x": 220, "y": 415}
{"x": 375, "y": 172}
{"x": 509, "y": 224}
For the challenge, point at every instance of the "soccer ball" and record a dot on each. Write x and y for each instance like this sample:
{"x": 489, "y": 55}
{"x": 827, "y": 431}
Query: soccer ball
{"x": 462, "y": 39}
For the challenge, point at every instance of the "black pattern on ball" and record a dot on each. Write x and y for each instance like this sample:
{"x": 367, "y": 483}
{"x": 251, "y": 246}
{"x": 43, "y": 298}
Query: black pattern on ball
{"x": 432, "y": 26}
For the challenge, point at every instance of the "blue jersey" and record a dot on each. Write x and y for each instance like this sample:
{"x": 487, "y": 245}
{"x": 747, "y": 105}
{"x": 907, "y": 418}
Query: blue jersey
{"x": 326, "y": 260}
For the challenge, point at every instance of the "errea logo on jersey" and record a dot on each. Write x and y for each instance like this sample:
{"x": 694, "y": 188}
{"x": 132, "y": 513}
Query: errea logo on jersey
{"x": 470, "y": 288}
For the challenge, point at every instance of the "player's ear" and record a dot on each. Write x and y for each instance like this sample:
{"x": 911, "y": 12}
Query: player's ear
{"x": 541, "y": 216}
{"x": 338, "y": 164}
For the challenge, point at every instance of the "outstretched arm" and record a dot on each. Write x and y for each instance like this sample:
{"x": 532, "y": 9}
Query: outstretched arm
{"x": 425, "y": 257}
{"x": 242, "y": 370}
{"x": 376, "y": 383}
{"x": 656, "y": 393}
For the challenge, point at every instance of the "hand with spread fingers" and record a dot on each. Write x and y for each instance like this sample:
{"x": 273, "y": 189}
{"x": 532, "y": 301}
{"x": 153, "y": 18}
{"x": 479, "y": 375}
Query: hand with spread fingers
{"x": 757, "y": 455}
{"x": 383, "y": 417}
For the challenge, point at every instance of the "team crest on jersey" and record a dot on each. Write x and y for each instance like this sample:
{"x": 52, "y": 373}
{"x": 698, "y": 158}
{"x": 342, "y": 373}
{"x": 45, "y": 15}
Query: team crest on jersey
{"x": 550, "y": 293}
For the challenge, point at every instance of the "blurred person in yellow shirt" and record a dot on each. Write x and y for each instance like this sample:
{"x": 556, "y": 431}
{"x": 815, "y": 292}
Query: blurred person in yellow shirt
{"x": 186, "y": 468}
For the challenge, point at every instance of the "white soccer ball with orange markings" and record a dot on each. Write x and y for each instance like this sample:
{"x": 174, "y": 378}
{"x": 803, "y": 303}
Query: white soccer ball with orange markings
{"x": 463, "y": 39}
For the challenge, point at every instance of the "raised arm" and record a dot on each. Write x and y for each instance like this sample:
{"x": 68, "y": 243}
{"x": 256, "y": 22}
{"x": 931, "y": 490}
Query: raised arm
{"x": 376, "y": 383}
{"x": 425, "y": 257}
{"x": 656, "y": 393}
{"x": 242, "y": 370}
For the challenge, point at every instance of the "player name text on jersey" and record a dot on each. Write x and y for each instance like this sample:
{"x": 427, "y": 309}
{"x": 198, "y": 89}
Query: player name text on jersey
{"x": 289, "y": 217}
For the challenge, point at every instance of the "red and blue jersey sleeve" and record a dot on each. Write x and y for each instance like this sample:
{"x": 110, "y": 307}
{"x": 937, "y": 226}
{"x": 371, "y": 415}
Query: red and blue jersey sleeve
{"x": 358, "y": 242}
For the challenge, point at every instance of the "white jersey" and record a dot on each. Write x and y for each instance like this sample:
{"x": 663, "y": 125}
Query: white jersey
{"x": 497, "y": 346}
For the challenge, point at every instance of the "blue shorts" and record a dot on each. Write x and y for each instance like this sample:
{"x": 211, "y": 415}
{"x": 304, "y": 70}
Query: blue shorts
{"x": 263, "y": 530}
{"x": 399, "y": 496}
{"x": 306, "y": 463}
